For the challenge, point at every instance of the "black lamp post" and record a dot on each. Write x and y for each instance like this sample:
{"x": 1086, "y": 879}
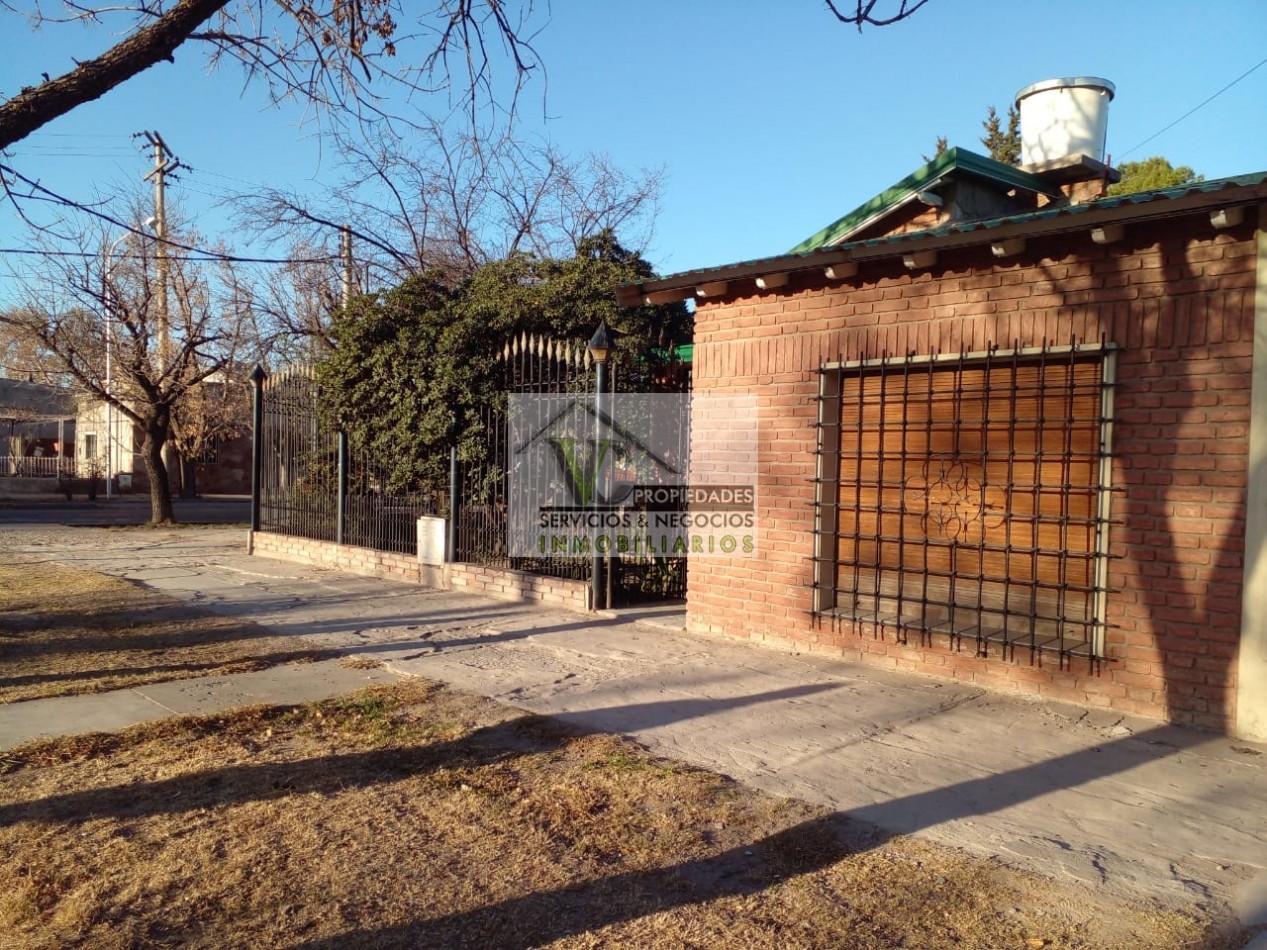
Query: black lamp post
{"x": 257, "y": 444}
{"x": 601, "y": 345}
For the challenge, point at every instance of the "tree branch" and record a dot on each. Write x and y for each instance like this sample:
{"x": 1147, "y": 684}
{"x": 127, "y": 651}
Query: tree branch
{"x": 154, "y": 43}
{"x": 864, "y": 12}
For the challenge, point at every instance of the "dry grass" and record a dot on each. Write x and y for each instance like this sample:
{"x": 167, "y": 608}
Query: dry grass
{"x": 414, "y": 816}
{"x": 66, "y": 631}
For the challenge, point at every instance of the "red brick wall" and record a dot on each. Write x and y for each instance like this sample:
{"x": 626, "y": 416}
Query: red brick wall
{"x": 1177, "y": 298}
{"x": 518, "y": 585}
{"x": 472, "y": 578}
{"x": 340, "y": 557}
{"x": 230, "y": 474}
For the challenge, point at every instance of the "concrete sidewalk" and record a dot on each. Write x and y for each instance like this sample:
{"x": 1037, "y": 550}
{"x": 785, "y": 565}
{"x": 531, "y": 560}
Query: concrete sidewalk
{"x": 1144, "y": 810}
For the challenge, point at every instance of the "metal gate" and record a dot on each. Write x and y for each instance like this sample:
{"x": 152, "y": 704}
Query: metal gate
{"x": 312, "y": 482}
{"x": 535, "y": 364}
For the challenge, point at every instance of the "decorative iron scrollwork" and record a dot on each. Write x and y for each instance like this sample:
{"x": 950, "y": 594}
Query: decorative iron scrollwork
{"x": 949, "y": 499}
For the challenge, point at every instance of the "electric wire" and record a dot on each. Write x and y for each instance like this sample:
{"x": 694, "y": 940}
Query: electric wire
{"x": 1200, "y": 105}
{"x": 39, "y": 192}
{"x": 205, "y": 257}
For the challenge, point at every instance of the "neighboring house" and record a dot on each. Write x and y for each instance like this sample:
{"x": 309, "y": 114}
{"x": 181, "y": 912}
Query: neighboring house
{"x": 225, "y": 467}
{"x": 107, "y": 443}
{"x": 37, "y": 425}
{"x": 1013, "y": 433}
{"x": 114, "y": 442}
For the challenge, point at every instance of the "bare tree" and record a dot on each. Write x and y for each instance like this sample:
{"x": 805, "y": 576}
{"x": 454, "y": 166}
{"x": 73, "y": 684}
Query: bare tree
{"x": 22, "y": 358}
{"x": 167, "y": 337}
{"x": 296, "y": 302}
{"x": 214, "y": 411}
{"x": 345, "y": 57}
{"x": 361, "y": 65}
{"x": 451, "y": 202}
{"x": 336, "y": 55}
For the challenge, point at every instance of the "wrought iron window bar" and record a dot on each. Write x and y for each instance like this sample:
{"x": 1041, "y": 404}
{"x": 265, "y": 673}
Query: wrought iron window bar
{"x": 927, "y": 527}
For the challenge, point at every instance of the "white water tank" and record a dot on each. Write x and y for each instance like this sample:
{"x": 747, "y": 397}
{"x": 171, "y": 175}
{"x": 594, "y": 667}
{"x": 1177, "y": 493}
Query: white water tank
{"x": 1064, "y": 117}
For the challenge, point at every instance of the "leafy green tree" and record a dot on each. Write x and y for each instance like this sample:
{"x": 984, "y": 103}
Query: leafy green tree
{"x": 1003, "y": 146}
{"x": 412, "y": 367}
{"x": 1152, "y": 173}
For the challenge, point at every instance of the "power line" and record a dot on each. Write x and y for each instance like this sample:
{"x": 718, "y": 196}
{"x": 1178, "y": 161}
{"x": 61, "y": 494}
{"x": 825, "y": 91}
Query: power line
{"x": 76, "y": 135}
{"x": 1194, "y": 108}
{"x": 205, "y": 171}
{"x": 46, "y": 194}
{"x": 87, "y": 149}
{"x": 203, "y": 257}
{"x": 216, "y": 195}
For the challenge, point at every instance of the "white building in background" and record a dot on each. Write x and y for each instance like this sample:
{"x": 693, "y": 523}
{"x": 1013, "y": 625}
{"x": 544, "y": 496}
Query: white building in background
{"x": 106, "y": 442}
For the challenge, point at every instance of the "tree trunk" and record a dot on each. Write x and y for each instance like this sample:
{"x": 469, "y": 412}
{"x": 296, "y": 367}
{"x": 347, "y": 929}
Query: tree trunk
{"x": 188, "y": 478}
{"x": 160, "y": 488}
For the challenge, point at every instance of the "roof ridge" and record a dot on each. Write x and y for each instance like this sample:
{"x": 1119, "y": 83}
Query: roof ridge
{"x": 950, "y": 161}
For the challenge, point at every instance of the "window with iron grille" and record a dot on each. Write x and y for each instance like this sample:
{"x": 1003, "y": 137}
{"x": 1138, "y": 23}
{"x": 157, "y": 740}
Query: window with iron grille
{"x": 967, "y": 496}
{"x": 210, "y": 454}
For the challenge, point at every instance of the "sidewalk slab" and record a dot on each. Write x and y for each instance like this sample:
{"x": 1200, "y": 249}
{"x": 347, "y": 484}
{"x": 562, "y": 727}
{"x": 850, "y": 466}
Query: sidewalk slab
{"x": 72, "y": 715}
{"x": 1143, "y": 810}
{"x": 118, "y": 709}
{"x": 289, "y": 685}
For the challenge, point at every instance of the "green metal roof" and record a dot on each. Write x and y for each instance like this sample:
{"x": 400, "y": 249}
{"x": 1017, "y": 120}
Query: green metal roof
{"x": 1043, "y": 221}
{"x": 1099, "y": 204}
{"x": 951, "y": 160}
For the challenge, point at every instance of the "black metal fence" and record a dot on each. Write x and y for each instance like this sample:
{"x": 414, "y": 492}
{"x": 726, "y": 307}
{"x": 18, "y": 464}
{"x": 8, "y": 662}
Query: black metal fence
{"x": 530, "y": 364}
{"x": 314, "y": 484}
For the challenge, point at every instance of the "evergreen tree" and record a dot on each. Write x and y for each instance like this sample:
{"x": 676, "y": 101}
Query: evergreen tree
{"x": 939, "y": 150}
{"x": 407, "y": 361}
{"x": 1003, "y": 146}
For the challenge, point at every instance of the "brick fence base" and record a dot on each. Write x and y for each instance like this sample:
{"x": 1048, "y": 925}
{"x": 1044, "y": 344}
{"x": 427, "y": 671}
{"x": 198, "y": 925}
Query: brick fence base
{"x": 473, "y": 578}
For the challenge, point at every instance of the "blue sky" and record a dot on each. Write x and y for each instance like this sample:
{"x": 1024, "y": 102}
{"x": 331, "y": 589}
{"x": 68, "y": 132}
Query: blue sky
{"x": 769, "y": 118}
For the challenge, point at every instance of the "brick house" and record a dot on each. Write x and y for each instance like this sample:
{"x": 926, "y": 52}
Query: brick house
{"x": 1006, "y": 433}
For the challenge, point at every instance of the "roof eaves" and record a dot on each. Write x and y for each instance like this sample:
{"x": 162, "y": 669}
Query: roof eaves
{"x": 1183, "y": 199}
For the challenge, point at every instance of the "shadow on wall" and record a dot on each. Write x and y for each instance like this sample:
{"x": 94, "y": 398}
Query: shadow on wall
{"x": 1187, "y": 475}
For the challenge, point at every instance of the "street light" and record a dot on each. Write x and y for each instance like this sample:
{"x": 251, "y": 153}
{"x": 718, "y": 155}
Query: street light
{"x": 105, "y": 297}
{"x": 601, "y": 345}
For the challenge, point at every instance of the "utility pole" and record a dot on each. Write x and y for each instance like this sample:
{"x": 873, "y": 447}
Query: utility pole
{"x": 165, "y": 163}
{"x": 109, "y": 299}
{"x": 345, "y": 252}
